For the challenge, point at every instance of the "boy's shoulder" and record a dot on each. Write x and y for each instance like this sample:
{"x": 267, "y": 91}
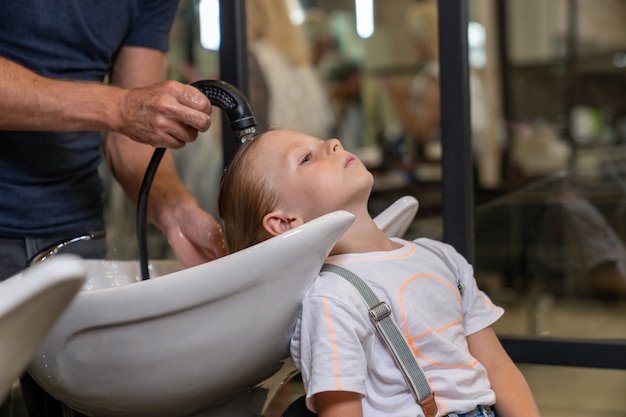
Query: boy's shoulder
{"x": 433, "y": 243}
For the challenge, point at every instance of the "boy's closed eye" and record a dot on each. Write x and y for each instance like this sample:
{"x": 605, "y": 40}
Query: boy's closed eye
{"x": 307, "y": 158}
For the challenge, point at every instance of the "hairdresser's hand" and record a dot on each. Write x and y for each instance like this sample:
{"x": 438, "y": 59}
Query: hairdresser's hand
{"x": 168, "y": 114}
{"x": 195, "y": 236}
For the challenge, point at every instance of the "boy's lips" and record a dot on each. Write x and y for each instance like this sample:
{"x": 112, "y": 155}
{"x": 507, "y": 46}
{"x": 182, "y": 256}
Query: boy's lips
{"x": 350, "y": 160}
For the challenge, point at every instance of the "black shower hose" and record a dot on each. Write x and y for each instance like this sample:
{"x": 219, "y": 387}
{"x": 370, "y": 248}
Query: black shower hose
{"x": 242, "y": 121}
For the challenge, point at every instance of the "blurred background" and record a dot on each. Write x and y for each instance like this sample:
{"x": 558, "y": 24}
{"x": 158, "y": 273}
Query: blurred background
{"x": 547, "y": 106}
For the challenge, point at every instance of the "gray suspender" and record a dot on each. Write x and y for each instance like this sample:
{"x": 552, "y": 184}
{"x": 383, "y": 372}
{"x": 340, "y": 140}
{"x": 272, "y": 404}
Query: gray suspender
{"x": 381, "y": 315}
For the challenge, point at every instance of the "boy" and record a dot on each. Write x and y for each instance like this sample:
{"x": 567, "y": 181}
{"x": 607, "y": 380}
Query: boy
{"x": 282, "y": 179}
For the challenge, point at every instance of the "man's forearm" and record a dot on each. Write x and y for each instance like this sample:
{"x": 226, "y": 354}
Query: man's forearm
{"x": 33, "y": 102}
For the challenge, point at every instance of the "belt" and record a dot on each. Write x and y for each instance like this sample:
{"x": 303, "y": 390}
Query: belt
{"x": 479, "y": 411}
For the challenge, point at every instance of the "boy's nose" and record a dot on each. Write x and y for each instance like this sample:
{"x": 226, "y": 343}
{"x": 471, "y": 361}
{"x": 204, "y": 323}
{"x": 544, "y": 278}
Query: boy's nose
{"x": 333, "y": 145}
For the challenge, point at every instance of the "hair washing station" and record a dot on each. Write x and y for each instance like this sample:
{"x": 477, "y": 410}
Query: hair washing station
{"x": 31, "y": 303}
{"x": 212, "y": 340}
{"x": 196, "y": 341}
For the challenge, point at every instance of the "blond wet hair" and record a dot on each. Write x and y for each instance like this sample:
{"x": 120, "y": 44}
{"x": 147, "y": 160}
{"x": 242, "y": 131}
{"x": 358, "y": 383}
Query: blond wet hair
{"x": 245, "y": 197}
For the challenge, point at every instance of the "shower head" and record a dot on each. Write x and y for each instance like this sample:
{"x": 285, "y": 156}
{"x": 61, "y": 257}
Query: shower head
{"x": 234, "y": 104}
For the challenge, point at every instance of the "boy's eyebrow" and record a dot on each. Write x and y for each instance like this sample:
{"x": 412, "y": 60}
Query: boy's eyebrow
{"x": 295, "y": 146}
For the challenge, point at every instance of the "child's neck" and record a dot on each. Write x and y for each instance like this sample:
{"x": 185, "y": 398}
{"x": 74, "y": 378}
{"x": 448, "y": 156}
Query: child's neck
{"x": 363, "y": 236}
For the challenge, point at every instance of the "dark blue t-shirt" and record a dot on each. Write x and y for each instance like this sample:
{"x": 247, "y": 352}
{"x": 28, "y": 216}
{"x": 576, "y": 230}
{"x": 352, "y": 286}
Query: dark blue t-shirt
{"x": 49, "y": 182}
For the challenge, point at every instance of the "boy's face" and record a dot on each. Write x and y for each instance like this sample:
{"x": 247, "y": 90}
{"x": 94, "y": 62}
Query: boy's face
{"x": 313, "y": 177}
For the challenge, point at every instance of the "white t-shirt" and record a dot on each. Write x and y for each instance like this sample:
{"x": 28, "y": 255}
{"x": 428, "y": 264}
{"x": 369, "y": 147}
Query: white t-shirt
{"x": 337, "y": 348}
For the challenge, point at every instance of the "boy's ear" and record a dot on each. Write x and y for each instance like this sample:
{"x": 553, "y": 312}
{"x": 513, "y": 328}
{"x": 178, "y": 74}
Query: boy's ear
{"x": 278, "y": 222}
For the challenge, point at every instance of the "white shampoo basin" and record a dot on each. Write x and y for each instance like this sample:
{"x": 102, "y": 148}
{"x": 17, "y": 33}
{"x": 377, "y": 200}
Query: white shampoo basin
{"x": 30, "y": 304}
{"x": 203, "y": 341}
